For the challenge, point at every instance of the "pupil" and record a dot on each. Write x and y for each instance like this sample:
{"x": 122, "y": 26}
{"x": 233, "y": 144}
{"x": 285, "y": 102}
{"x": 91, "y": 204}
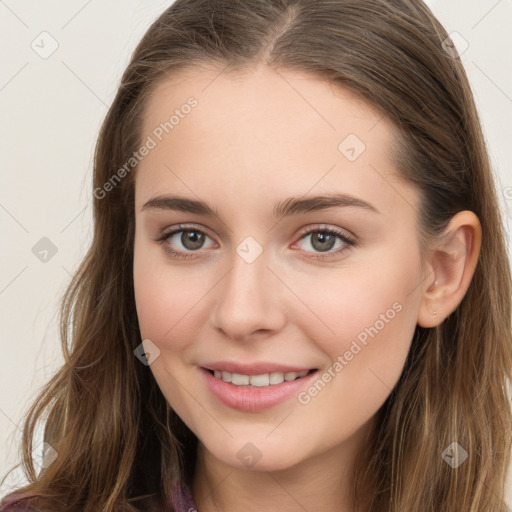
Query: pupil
{"x": 326, "y": 241}
{"x": 192, "y": 239}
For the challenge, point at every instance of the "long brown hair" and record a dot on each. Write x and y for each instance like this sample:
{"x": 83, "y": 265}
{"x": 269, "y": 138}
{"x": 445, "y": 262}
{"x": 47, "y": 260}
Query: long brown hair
{"x": 116, "y": 437}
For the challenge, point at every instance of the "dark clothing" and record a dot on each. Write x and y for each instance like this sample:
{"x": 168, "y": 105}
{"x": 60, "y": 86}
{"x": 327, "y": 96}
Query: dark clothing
{"x": 21, "y": 502}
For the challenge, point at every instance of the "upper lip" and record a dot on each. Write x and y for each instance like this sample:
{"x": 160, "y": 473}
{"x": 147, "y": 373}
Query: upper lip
{"x": 260, "y": 368}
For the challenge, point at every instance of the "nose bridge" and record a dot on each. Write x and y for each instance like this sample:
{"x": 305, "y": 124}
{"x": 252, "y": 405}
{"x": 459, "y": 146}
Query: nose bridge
{"x": 250, "y": 298}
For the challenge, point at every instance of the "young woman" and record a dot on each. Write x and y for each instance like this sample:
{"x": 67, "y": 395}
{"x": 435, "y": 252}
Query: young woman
{"x": 298, "y": 295}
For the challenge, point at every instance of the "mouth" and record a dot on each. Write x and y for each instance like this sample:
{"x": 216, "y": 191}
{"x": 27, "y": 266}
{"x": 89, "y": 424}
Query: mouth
{"x": 258, "y": 381}
{"x": 255, "y": 390}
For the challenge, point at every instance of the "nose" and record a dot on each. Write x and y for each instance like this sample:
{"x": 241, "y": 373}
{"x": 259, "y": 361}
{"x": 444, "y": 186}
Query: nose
{"x": 251, "y": 300}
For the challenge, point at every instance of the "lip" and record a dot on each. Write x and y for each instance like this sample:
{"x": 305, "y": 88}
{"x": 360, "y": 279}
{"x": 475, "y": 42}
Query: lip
{"x": 253, "y": 368}
{"x": 254, "y": 399}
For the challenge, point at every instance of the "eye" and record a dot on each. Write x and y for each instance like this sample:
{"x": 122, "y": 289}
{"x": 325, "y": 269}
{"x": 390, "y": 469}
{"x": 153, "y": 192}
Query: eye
{"x": 190, "y": 238}
{"x": 323, "y": 240}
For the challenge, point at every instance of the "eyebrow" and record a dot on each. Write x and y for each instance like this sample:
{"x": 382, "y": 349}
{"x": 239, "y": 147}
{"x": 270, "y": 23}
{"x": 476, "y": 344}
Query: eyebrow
{"x": 284, "y": 208}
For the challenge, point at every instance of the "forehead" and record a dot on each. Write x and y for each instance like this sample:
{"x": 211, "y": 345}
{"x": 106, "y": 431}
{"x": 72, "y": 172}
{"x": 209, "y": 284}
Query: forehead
{"x": 262, "y": 95}
{"x": 262, "y": 129}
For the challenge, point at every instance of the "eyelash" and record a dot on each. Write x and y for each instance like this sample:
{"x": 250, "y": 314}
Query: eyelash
{"x": 348, "y": 241}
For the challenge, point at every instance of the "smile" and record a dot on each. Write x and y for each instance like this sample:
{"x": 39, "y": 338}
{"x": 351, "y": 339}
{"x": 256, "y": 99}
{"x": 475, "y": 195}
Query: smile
{"x": 265, "y": 379}
{"x": 255, "y": 390}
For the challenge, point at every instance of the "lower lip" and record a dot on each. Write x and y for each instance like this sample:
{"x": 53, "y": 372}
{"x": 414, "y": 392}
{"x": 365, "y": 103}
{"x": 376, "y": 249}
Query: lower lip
{"x": 254, "y": 399}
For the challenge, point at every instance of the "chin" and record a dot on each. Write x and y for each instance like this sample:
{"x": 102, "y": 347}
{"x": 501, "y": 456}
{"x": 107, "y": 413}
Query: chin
{"x": 257, "y": 456}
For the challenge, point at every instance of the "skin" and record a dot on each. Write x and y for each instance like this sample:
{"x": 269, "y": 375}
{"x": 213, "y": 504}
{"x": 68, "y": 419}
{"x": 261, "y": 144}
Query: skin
{"x": 255, "y": 138}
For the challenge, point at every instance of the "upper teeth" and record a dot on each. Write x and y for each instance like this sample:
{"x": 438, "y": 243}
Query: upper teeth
{"x": 265, "y": 379}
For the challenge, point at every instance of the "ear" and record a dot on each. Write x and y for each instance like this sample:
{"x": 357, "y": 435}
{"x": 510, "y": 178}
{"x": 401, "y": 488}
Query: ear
{"x": 450, "y": 265}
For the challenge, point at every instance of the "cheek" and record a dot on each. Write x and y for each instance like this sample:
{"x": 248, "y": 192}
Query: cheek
{"x": 164, "y": 297}
{"x": 167, "y": 298}
{"x": 353, "y": 387}
{"x": 368, "y": 316}
{"x": 157, "y": 302}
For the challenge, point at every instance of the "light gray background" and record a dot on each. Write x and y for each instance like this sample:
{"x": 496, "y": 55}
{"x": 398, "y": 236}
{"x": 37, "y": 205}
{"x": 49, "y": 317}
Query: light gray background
{"x": 51, "y": 109}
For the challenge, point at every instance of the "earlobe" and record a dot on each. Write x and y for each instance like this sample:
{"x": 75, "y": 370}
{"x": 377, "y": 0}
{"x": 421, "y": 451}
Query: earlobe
{"x": 452, "y": 264}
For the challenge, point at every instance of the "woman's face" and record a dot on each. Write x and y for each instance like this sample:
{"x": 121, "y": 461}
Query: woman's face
{"x": 297, "y": 257}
